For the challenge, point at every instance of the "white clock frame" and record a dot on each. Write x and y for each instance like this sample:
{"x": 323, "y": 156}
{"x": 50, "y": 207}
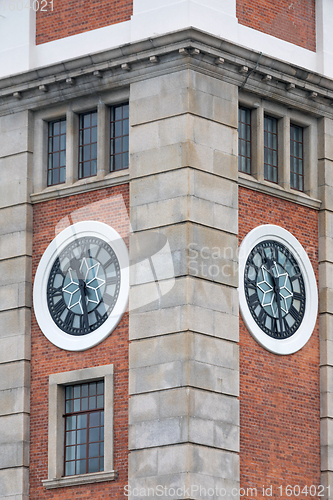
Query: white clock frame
{"x": 49, "y": 328}
{"x": 305, "y": 330}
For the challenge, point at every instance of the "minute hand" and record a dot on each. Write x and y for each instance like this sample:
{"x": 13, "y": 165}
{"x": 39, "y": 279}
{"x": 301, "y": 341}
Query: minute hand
{"x": 271, "y": 265}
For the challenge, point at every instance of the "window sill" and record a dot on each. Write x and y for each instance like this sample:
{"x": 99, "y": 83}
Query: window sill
{"x": 63, "y": 482}
{"x": 271, "y": 189}
{"x": 81, "y": 186}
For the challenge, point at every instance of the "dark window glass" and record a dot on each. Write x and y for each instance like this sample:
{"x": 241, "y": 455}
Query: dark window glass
{"x": 244, "y": 140}
{"x": 84, "y": 428}
{"x": 119, "y": 135}
{"x": 270, "y": 149}
{"x": 296, "y": 158}
{"x": 88, "y": 145}
{"x": 56, "y": 168}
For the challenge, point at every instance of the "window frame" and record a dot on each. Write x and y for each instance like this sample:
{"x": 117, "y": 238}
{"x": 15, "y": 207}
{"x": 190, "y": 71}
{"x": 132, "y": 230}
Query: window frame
{"x": 298, "y": 176}
{"x": 112, "y": 138}
{"x": 81, "y": 162}
{"x": 248, "y": 110}
{"x": 266, "y": 148}
{"x": 56, "y": 422}
{"x": 52, "y": 153}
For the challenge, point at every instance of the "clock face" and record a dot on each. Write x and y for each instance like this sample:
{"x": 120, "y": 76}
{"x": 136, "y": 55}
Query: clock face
{"x": 81, "y": 285}
{"x": 277, "y": 289}
{"x": 274, "y": 289}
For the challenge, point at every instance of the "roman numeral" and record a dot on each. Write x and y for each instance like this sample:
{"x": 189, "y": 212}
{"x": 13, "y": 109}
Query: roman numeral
{"x": 294, "y": 313}
{"x": 108, "y": 299}
{"x": 253, "y": 301}
{"x": 99, "y": 317}
{"x": 56, "y": 292}
{"x": 262, "y": 317}
{"x": 297, "y": 296}
{"x": 111, "y": 281}
{"x": 59, "y": 307}
{"x": 109, "y": 262}
{"x": 69, "y": 320}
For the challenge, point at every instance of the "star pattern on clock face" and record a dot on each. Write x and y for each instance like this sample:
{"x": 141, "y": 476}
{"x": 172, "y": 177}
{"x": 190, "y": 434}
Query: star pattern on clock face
{"x": 72, "y": 288}
{"x": 266, "y": 287}
{"x": 92, "y": 280}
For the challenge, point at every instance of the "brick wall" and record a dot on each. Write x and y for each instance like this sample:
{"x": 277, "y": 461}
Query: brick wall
{"x": 106, "y": 206}
{"x": 279, "y": 395}
{"x": 293, "y": 21}
{"x": 71, "y": 18}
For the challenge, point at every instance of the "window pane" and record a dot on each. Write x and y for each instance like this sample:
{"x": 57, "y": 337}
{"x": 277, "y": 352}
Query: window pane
{"x": 119, "y": 130}
{"x": 270, "y": 149}
{"x": 244, "y": 140}
{"x": 88, "y": 145}
{"x": 296, "y": 158}
{"x": 56, "y": 143}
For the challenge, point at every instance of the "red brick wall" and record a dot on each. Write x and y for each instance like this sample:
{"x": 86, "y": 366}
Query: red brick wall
{"x": 71, "y": 18}
{"x": 106, "y": 206}
{"x": 279, "y": 395}
{"x": 293, "y": 21}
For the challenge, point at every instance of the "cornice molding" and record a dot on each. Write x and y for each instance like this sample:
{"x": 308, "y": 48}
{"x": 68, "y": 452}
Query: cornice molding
{"x": 187, "y": 48}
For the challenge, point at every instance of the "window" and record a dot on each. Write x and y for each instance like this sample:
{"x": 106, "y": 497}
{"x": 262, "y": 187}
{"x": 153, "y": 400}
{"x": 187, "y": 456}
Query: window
{"x": 80, "y": 424}
{"x": 56, "y": 172}
{"x": 296, "y": 158}
{"x": 244, "y": 140}
{"x": 84, "y": 428}
{"x": 270, "y": 149}
{"x": 119, "y": 137}
{"x": 88, "y": 144}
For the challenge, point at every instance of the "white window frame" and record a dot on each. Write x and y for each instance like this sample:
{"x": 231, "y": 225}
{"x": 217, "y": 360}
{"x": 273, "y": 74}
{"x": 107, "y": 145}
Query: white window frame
{"x": 57, "y": 384}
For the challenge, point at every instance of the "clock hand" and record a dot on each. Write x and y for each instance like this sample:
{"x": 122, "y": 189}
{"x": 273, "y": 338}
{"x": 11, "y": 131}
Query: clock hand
{"x": 271, "y": 264}
{"x": 75, "y": 265}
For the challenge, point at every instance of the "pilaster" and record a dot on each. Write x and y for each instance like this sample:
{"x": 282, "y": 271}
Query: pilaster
{"x": 184, "y": 414}
{"x": 15, "y": 303}
{"x": 325, "y": 181}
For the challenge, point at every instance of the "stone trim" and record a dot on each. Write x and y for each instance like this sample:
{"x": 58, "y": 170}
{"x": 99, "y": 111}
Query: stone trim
{"x": 274, "y": 190}
{"x": 63, "y": 482}
{"x": 83, "y": 186}
{"x": 57, "y": 383}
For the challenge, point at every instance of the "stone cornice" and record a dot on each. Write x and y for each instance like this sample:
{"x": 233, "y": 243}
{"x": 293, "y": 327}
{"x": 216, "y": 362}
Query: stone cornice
{"x": 98, "y": 72}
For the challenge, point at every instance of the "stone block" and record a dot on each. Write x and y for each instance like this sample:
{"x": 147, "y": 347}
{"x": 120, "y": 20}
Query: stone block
{"x": 15, "y": 322}
{"x": 158, "y": 433}
{"x": 14, "y": 454}
{"x": 225, "y": 164}
{"x": 15, "y": 348}
{"x": 159, "y": 350}
{"x": 144, "y": 407}
{"x": 14, "y": 428}
{"x": 325, "y": 139}
{"x": 211, "y": 107}
{"x": 15, "y": 401}
{"x": 158, "y": 159}
{"x": 16, "y": 244}
{"x": 213, "y": 378}
{"x": 159, "y": 85}
{"x": 212, "y": 134}
{"x": 220, "y": 298}
{"x": 325, "y": 173}
{"x": 213, "y": 188}
{"x": 16, "y": 133}
{"x": 16, "y": 219}
{"x": 15, "y": 179}
{"x": 326, "y": 405}
{"x": 154, "y": 215}
{"x": 326, "y": 301}
{"x": 209, "y": 350}
{"x": 14, "y": 375}
{"x": 171, "y": 320}
{"x": 325, "y": 275}
{"x": 325, "y": 249}
{"x": 326, "y": 327}
{"x": 148, "y": 109}
{"x": 13, "y": 482}
{"x": 142, "y": 463}
{"x": 213, "y": 86}
{"x": 327, "y": 481}
{"x": 15, "y": 270}
{"x": 326, "y": 379}
{"x": 156, "y": 377}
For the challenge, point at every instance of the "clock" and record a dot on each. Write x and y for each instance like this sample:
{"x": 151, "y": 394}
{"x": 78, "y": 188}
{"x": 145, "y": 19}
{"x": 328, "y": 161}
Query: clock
{"x": 277, "y": 289}
{"x": 81, "y": 285}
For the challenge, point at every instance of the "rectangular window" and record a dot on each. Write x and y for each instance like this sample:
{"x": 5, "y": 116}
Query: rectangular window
{"x": 56, "y": 171}
{"x": 119, "y": 137}
{"x": 244, "y": 140}
{"x": 84, "y": 428}
{"x": 270, "y": 149}
{"x": 296, "y": 158}
{"x": 88, "y": 145}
